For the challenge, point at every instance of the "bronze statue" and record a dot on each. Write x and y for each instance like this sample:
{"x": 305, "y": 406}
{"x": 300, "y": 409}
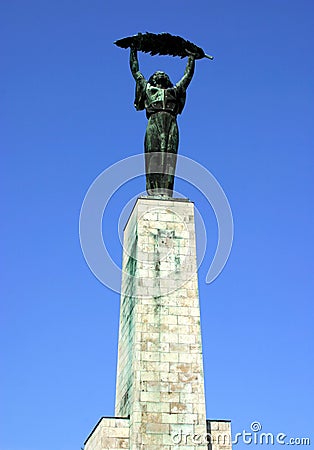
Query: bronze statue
{"x": 162, "y": 101}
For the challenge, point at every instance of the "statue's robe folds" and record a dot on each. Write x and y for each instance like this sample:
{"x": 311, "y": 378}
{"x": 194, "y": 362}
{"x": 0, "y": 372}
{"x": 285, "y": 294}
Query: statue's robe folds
{"x": 162, "y": 136}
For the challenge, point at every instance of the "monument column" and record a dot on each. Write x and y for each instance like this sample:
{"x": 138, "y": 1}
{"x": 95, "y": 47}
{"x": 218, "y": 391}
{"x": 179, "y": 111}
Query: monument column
{"x": 160, "y": 402}
{"x": 160, "y": 383}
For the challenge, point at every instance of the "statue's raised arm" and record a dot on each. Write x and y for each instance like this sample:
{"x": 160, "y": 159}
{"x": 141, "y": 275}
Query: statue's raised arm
{"x": 188, "y": 74}
{"x": 134, "y": 65}
{"x": 141, "y": 83}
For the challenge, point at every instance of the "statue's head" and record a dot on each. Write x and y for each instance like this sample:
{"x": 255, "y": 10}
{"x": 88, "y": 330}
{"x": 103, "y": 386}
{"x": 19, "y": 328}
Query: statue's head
{"x": 161, "y": 80}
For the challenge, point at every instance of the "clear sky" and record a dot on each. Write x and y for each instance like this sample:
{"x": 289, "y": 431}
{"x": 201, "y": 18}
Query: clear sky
{"x": 66, "y": 115}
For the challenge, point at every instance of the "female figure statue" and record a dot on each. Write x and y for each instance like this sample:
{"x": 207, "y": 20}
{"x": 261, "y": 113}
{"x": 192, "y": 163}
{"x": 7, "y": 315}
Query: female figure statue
{"x": 163, "y": 102}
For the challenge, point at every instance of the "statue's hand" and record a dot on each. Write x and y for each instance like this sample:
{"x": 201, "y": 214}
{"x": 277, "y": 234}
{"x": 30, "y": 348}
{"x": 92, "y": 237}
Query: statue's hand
{"x": 192, "y": 55}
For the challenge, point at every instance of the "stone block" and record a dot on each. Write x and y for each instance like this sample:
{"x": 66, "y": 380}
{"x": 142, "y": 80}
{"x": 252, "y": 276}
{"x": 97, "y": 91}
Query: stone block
{"x": 162, "y": 407}
{"x": 186, "y": 339}
{"x": 150, "y": 397}
{"x": 170, "y": 357}
{"x": 169, "y": 337}
{"x": 178, "y": 407}
{"x": 169, "y": 418}
{"x": 169, "y": 396}
{"x": 149, "y": 376}
{"x": 157, "y": 428}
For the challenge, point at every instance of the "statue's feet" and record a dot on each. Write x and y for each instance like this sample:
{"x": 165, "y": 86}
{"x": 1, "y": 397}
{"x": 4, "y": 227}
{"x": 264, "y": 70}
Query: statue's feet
{"x": 160, "y": 193}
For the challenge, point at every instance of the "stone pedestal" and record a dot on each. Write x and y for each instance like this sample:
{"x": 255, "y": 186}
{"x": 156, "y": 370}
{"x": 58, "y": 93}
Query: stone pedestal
{"x": 160, "y": 398}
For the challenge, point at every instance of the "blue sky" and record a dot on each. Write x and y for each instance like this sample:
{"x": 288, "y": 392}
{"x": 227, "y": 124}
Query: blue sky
{"x": 67, "y": 114}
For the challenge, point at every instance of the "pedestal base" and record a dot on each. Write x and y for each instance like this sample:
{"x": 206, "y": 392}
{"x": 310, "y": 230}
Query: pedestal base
{"x": 160, "y": 381}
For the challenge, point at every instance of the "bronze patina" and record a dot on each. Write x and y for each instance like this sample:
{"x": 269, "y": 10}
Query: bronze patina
{"x": 162, "y": 101}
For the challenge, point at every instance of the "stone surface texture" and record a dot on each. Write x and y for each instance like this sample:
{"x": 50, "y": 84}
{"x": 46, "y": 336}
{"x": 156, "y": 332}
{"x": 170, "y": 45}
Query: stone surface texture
{"x": 160, "y": 381}
{"x": 219, "y": 434}
{"x": 110, "y": 433}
